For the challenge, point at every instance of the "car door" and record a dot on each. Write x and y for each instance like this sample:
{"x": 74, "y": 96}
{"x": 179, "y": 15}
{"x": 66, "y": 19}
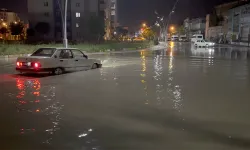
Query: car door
{"x": 66, "y": 60}
{"x": 81, "y": 61}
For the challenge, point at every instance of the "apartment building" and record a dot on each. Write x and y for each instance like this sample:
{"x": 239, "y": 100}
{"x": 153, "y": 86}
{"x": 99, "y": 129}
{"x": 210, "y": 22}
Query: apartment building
{"x": 7, "y": 16}
{"x": 217, "y": 22}
{"x": 49, "y": 11}
{"x": 239, "y": 22}
{"x": 194, "y": 26}
{"x": 111, "y": 18}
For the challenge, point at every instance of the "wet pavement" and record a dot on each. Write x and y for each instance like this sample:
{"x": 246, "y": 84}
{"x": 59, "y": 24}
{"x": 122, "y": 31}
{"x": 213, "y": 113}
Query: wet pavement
{"x": 179, "y": 98}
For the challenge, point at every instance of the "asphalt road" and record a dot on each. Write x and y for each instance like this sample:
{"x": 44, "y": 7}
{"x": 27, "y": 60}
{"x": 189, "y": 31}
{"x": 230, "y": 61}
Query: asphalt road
{"x": 179, "y": 98}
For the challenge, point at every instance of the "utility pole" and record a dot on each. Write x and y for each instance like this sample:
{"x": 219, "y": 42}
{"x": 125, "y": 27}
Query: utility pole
{"x": 169, "y": 19}
{"x": 65, "y": 39}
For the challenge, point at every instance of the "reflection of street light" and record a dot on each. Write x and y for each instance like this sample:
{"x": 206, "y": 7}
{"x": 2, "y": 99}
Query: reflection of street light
{"x": 4, "y": 24}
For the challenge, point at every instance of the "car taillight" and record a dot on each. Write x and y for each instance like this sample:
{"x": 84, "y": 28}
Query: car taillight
{"x": 19, "y": 64}
{"x": 36, "y": 65}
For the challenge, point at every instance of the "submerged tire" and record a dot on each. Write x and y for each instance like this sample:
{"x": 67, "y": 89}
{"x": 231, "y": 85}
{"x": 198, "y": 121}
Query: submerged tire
{"x": 94, "y": 66}
{"x": 58, "y": 71}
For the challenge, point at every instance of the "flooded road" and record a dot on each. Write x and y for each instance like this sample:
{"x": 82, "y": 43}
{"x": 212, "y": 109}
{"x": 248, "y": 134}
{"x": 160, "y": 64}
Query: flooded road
{"x": 181, "y": 98}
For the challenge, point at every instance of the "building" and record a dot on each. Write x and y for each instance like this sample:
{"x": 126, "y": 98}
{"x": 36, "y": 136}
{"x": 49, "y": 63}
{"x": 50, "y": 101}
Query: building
{"x": 51, "y": 12}
{"x": 7, "y": 16}
{"x": 111, "y": 18}
{"x": 217, "y": 23}
{"x": 194, "y": 26}
{"x": 239, "y": 22}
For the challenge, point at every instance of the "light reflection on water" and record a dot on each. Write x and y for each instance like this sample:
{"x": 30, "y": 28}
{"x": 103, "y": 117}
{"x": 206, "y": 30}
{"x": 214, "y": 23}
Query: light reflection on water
{"x": 173, "y": 89}
{"x": 41, "y": 103}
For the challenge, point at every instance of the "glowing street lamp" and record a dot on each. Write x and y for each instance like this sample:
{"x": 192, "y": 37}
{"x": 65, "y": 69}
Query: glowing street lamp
{"x": 172, "y": 28}
{"x": 4, "y": 24}
{"x": 144, "y": 25}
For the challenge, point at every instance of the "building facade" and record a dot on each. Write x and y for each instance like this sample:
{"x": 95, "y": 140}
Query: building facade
{"x": 111, "y": 18}
{"x": 217, "y": 23}
{"x": 51, "y": 12}
{"x": 194, "y": 26}
{"x": 7, "y": 16}
{"x": 239, "y": 22}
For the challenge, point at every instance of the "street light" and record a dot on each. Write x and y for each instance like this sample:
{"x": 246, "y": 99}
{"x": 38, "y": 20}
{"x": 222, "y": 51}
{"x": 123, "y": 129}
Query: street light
{"x": 144, "y": 25}
{"x": 4, "y": 24}
{"x": 172, "y": 28}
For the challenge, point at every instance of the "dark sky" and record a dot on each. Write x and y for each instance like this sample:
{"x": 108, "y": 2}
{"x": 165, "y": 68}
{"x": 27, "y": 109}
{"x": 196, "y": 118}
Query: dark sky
{"x": 133, "y": 12}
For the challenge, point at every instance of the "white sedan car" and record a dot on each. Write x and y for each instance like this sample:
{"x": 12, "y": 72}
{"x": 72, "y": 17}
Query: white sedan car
{"x": 56, "y": 61}
{"x": 203, "y": 43}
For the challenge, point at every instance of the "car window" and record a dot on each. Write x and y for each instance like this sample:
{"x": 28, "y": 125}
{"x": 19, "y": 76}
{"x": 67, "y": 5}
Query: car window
{"x": 45, "y": 52}
{"x": 77, "y": 53}
{"x": 65, "y": 54}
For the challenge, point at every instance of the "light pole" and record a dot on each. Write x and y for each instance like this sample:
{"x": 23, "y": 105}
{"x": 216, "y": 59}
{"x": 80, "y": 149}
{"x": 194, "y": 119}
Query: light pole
{"x": 161, "y": 30}
{"x": 65, "y": 39}
{"x": 169, "y": 18}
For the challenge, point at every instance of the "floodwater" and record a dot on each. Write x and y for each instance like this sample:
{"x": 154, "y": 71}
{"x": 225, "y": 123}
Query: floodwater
{"x": 179, "y": 98}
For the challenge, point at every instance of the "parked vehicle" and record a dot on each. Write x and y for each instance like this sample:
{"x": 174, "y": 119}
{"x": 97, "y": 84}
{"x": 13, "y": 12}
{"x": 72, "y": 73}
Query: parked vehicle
{"x": 56, "y": 61}
{"x": 203, "y": 43}
{"x": 196, "y": 37}
{"x": 183, "y": 39}
{"x": 175, "y": 38}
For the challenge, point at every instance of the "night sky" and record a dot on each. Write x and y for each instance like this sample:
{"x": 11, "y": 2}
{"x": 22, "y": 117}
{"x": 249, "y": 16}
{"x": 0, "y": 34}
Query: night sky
{"x": 133, "y": 12}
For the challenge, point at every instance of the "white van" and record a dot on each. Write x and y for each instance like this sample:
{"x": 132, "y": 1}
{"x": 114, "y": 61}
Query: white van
{"x": 196, "y": 37}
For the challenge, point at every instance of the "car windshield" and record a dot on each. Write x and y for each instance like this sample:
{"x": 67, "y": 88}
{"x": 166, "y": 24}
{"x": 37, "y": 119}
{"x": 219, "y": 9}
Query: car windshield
{"x": 46, "y": 52}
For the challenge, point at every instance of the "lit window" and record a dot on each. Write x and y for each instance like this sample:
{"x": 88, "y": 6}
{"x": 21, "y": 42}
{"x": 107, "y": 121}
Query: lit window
{"x": 78, "y": 14}
{"x": 46, "y": 4}
{"x": 77, "y": 4}
{"x": 77, "y": 25}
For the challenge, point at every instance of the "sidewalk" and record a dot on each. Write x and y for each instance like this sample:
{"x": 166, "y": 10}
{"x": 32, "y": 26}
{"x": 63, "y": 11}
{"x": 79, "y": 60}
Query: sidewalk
{"x": 235, "y": 45}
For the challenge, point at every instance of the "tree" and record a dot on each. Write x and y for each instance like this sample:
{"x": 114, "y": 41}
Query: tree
{"x": 42, "y": 28}
{"x": 96, "y": 28}
{"x": 181, "y": 30}
{"x": 3, "y": 31}
{"x": 120, "y": 33}
{"x": 148, "y": 34}
{"x": 30, "y": 32}
{"x": 16, "y": 28}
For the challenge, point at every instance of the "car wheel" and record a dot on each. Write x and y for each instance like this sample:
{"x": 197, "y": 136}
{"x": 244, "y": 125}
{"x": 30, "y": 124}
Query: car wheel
{"x": 94, "y": 66}
{"x": 58, "y": 71}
